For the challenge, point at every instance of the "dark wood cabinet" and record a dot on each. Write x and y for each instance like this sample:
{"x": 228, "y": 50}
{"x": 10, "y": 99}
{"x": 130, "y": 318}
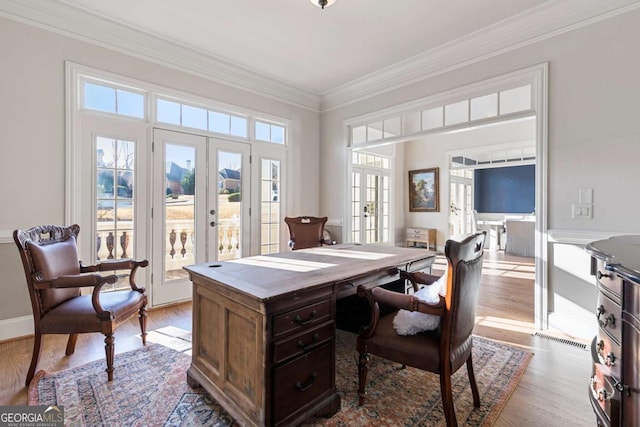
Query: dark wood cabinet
{"x": 614, "y": 387}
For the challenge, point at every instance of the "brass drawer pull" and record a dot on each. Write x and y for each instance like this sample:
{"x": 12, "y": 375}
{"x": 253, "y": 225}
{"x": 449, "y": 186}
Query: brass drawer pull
{"x": 314, "y": 339}
{"x": 312, "y": 317}
{"x": 600, "y": 394}
{"x": 609, "y": 360}
{"x": 309, "y": 383}
{"x": 610, "y": 320}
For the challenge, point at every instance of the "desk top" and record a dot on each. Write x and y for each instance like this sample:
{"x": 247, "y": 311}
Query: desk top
{"x": 620, "y": 253}
{"x": 268, "y": 276}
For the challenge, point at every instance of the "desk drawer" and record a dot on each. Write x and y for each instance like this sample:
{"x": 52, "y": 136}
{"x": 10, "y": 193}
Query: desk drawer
{"x": 609, "y": 316}
{"x": 302, "y": 318}
{"x": 302, "y": 380}
{"x": 604, "y": 397}
{"x": 610, "y": 281}
{"x": 609, "y": 355}
{"x": 304, "y": 342}
{"x": 419, "y": 233}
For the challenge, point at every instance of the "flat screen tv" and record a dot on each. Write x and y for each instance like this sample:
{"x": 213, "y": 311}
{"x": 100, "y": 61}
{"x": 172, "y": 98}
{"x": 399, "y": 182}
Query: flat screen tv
{"x": 505, "y": 190}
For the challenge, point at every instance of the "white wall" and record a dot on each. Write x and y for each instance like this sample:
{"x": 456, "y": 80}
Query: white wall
{"x": 594, "y": 131}
{"x": 32, "y": 124}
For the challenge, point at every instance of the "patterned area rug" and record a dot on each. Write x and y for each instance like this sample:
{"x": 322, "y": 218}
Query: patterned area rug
{"x": 150, "y": 389}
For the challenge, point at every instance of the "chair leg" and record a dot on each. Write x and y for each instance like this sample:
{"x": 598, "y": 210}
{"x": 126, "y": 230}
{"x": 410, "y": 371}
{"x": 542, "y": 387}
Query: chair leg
{"x": 37, "y": 341}
{"x": 472, "y": 380}
{"x": 362, "y": 377}
{"x": 142, "y": 317}
{"x": 447, "y": 399}
{"x": 71, "y": 344}
{"x": 109, "y": 349}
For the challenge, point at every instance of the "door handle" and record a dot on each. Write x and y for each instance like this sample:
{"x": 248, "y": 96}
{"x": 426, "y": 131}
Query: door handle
{"x": 212, "y": 223}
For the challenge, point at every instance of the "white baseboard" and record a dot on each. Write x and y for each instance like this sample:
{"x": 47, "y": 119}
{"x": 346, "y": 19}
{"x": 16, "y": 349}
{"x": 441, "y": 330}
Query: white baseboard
{"x": 16, "y": 327}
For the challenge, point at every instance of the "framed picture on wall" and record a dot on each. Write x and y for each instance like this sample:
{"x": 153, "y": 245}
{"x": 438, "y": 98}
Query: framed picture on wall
{"x": 423, "y": 190}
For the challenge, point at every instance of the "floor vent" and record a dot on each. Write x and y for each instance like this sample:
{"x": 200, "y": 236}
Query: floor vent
{"x": 562, "y": 340}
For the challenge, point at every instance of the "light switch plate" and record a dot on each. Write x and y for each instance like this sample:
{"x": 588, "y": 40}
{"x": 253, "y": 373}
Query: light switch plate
{"x": 582, "y": 211}
{"x": 585, "y": 195}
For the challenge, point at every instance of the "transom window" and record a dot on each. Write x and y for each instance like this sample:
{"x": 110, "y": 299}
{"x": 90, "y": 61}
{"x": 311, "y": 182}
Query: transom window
{"x": 113, "y": 100}
{"x": 488, "y": 106}
{"x": 180, "y": 114}
{"x": 270, "y": 132}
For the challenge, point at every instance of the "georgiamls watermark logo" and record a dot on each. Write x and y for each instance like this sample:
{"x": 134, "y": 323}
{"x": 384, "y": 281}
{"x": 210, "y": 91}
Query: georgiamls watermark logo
{"x": 32, "y": 416}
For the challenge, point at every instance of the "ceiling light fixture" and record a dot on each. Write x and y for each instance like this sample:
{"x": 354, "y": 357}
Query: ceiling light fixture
{"x": 323, "y": 3}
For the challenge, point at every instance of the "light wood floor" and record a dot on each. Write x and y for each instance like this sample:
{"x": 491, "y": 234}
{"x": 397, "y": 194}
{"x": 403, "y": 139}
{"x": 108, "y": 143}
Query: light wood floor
{"x": 552, "y": 392}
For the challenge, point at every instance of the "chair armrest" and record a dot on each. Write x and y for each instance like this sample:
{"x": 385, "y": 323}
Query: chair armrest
{"x": 116, "y": 264}
{"x": 73, "y": 281}
{"x": 407, "y": 302}
{"x": 419, "y": 277}
{"x": 120, "y": 264}
{"x": 396, "y": 300}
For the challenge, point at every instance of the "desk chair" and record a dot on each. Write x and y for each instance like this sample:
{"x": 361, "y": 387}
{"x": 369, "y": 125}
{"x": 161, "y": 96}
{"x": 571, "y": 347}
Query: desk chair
{"x": 307, "y": 232}
{"x": 442, "y": 351}
{"x": 55, "y": 275}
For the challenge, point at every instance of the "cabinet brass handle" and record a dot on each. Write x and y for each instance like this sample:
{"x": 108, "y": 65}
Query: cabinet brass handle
{"x": 610, "y": 320}
{"x": 312, "y": 317}
{"x": 600, "y": 394}
{"x": 310, "y": 381}
{"x": 304, "y": 347}
{"x": 609, "y": 360}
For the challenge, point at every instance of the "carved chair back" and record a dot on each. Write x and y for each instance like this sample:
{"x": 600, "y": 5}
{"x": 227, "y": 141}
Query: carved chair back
{"x": 305, "y": 231}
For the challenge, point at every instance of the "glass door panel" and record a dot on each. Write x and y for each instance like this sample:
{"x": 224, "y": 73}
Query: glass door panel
{"x": 370, "y": 206}
{"x": 461, "y": 203}
{"x": 229, "y": 200}
{"x": 270, "y": 222}
{"x": 109, "y": 202}
{"x": 179, "y": 210}
{"x": 178, "y": 213}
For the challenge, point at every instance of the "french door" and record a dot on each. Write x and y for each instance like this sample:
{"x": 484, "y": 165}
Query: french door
{"x": 109, "y": 200}
{"x": 199, "y": 212}
{"x": 369, "y": 206}
{"x": 461, "y": 202}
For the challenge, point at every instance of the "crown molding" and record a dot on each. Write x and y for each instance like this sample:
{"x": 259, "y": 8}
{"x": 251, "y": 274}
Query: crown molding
{"x": 548, "y": 20}
{"x": 61, "y": 18}
{"x": 540, "y": 23}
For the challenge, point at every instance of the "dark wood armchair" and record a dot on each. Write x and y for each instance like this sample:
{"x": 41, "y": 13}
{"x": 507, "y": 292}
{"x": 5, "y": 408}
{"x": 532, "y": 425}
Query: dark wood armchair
{"x": 307, "y": 232}
{"x": 55, "y": 275}
{"x": 442, "y": 351}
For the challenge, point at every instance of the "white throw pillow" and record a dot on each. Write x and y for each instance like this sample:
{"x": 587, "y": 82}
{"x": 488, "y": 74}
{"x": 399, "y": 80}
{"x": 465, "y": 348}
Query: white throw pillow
{"x": 411, "y": 322}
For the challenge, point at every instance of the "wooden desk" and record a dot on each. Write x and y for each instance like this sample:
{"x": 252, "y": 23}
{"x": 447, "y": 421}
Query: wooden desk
{"x": 264, "y": 326}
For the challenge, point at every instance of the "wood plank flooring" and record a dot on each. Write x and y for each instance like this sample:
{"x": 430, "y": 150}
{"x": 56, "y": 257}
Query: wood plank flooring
{"x": 552, "y": 392}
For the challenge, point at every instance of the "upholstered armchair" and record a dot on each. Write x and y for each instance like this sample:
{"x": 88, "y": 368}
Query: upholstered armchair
{"x": 442, "y": 351}
{"x": 307, "y": 232}
{"x": 54, "y": 277}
